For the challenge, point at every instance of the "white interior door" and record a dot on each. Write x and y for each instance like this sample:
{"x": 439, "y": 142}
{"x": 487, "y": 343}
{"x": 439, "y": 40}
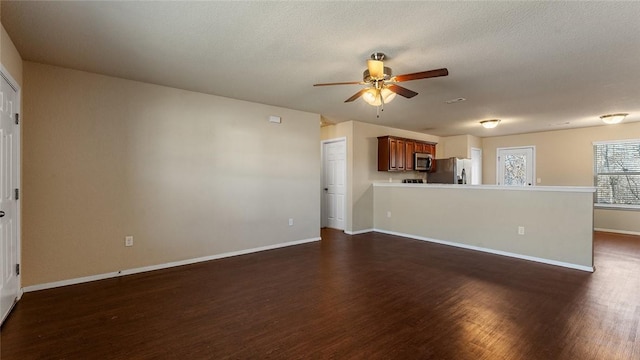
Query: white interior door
{"x": 476, "y": 166}
{"x": 9, "y": 172}
{"x": 334, "y": 176}
{"x": 516, "y": 166}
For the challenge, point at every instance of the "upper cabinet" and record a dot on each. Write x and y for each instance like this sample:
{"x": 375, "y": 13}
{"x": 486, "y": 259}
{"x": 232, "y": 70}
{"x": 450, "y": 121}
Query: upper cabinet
{"x": 396, "y": 154}
{"x": 409, "y": 150}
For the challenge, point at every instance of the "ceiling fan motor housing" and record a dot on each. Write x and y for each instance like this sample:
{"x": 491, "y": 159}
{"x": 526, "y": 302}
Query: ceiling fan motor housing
{"x": 366, "y": 76}
{"x": 378, "y": 56}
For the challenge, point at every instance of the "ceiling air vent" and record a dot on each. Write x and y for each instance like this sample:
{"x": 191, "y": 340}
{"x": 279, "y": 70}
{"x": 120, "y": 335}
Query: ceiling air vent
{"x": 453, "y": 101}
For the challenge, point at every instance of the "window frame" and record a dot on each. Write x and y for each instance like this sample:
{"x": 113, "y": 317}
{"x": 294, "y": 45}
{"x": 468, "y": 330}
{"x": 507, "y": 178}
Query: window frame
{"x": 595, "y": 176}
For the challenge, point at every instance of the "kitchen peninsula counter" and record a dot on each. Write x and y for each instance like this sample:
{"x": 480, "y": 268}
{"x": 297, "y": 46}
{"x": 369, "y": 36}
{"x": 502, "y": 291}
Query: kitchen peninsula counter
{"x": 587, "y": 189}
{"x": 549, "y": 224}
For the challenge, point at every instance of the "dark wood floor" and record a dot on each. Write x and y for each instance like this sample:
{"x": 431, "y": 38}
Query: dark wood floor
{"x": 369, "y": 296}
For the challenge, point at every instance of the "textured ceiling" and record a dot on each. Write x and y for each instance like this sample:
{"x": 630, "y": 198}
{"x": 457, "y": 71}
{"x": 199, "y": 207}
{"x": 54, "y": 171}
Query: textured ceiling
{"x": 536, "y": 65}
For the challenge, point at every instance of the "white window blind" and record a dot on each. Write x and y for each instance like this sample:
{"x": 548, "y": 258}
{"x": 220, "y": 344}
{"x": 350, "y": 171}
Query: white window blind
{"x": 617, "y": 174}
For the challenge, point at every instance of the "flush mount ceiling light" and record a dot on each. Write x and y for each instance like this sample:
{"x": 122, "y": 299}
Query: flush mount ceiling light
{"x": 490, "y": 124}
{"x": 613, "y": 118}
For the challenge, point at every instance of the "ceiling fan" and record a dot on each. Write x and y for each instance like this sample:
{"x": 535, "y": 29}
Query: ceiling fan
{"x": 381, "y": 83}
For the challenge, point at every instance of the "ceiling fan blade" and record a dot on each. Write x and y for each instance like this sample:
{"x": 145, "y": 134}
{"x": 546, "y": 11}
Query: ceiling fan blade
{"x": 376, "y": 69}
{"x": 356, "y": 95}
{"x": 402, "y": 91}
{"x": 421, "y": 75}
{"x": 341, "y": 83}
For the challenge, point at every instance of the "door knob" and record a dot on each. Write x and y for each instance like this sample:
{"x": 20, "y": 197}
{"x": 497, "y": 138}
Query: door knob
{"x": 1, "y": 213}
{"x": 326, "y": 189}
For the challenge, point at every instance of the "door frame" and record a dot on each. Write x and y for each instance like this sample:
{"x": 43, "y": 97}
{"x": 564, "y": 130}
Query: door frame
{"x": 18, "y": 132}
{"x": 323, "y": 205}
{"x": 533, "y": 160}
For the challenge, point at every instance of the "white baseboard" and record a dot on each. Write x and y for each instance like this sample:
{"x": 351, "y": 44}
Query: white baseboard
{"x": 61, "y": 283}
{"x": 114, "y": 274}
{"x": 492, "y": 251}
{"x": 618, "y": 231}
{"x": 358, "y": 232}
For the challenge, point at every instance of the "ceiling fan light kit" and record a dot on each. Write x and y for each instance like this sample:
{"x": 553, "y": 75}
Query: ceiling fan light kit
{"x": 381, "y": 83}
{"x": 490, "y": 124}
{"x": 611, "y": 119}
{"x": 377, "y": 97}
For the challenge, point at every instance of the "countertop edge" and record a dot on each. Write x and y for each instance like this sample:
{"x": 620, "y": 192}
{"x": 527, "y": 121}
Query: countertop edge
{"x": 582, "y": 189}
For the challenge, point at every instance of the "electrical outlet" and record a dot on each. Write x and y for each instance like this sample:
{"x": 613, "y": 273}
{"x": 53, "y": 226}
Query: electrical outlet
{"x": 388, "y": 214}
{"x": 290, "y": 221}
{"x": 520, "y": 230}
{"x": 128, "y": 240}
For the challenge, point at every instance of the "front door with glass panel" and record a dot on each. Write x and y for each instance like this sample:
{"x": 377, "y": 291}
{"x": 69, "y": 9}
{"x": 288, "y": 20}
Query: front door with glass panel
{"x": 516, "y": 166}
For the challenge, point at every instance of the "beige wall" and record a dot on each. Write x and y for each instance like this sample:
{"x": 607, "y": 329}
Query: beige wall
{"x": 365, "y": 168}
{"x": 453, "y": 146}
{"x": 558, "y": 225}
{"x": 187, "y": 174}
{"x": 9, "y": 57}
{"x": 565, "y": 157}
{"x": 343, "y": 129}
{"x": 474, "y": 142}
{"x": 458, "y": 146}
{"x": 362, "y": 166}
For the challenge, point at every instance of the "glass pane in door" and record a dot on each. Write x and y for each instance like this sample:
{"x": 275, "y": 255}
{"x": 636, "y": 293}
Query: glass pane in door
{"x": 515, "y": 166}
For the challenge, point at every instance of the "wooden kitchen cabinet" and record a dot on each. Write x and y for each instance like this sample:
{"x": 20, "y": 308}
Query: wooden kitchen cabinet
{"x": 400, "y": 151}
{"x": 396, "y": 154}
{"x": 388, "y": 154}
{"x": 431, "y": 149}
{"x": 425, "y": 147}
{"x": 393, "y": 146}
{"x": 409, "y": 146}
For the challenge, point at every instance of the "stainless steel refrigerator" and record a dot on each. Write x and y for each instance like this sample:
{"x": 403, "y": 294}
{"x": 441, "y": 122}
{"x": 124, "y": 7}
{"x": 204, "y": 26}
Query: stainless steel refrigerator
{"x": 450, "y": 171}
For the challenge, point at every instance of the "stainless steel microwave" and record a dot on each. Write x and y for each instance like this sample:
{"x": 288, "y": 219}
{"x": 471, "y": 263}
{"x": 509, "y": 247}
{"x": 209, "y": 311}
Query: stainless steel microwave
{"x": 422, "y": 161}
